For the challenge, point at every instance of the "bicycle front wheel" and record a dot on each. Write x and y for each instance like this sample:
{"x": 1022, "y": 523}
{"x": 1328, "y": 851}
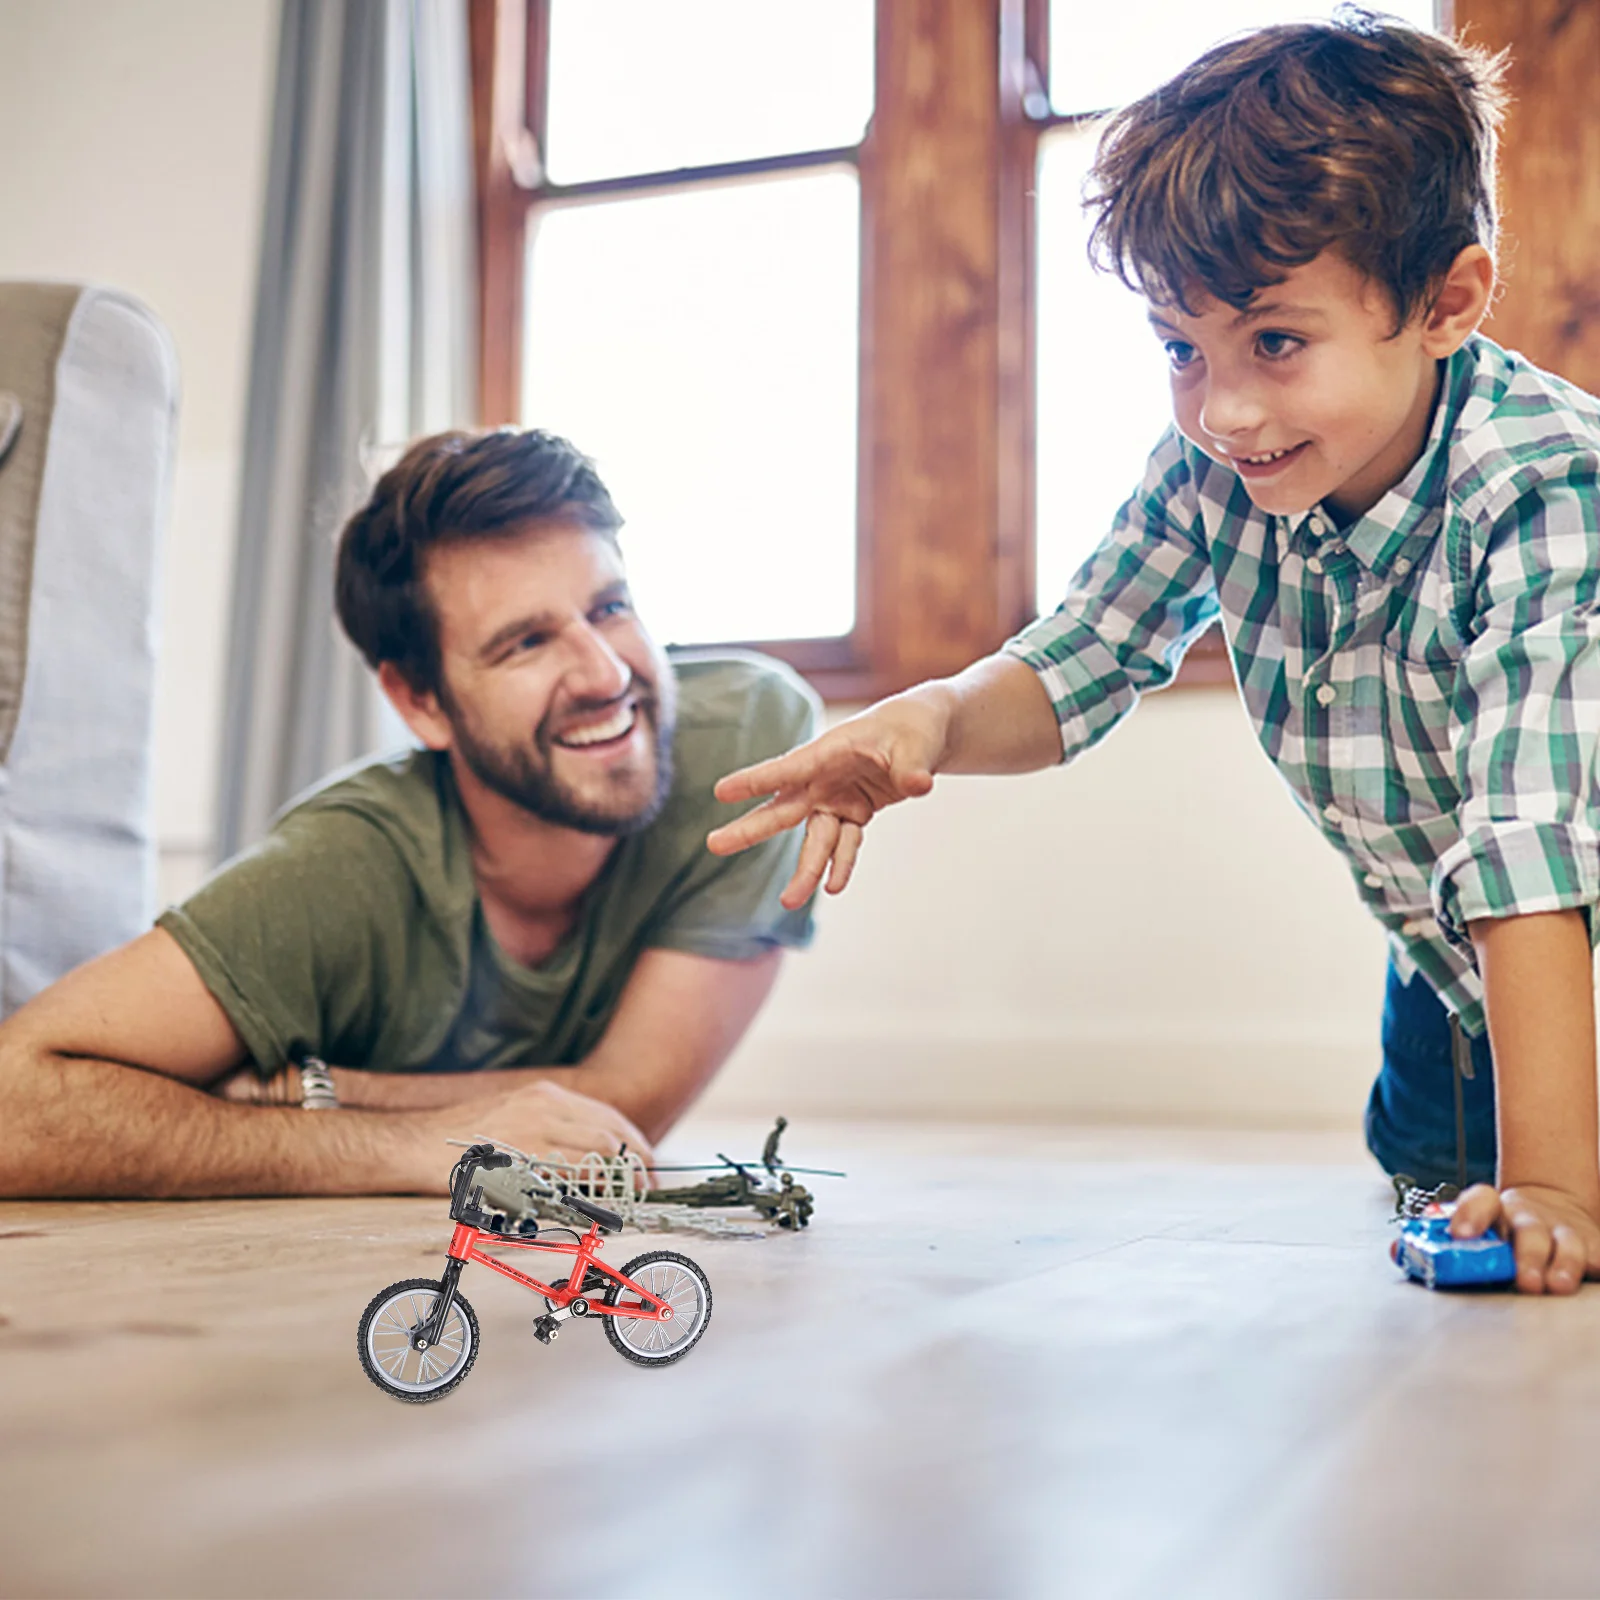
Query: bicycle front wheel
{"x": 389, "y": 1355}
{"x": 669, "y": 1277}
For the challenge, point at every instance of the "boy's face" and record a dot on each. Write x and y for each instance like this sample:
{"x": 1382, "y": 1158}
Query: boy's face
{"x": 1308, "y": 394}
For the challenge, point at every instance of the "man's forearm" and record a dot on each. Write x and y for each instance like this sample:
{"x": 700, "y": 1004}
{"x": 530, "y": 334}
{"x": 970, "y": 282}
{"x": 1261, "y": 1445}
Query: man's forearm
{"x": 80, "y": 1127}
{"x": 430, "y": 1091}
{"x": 1539, "y": 994}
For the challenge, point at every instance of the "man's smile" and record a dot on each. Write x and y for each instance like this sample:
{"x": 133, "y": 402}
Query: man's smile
{"x": 604, "y": 728}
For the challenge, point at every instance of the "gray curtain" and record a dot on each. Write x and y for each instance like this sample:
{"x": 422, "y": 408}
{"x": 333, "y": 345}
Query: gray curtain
{"x": 364, "y": 338}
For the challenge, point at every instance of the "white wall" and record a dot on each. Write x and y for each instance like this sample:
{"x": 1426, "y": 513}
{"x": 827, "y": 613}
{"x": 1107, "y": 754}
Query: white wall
{"x": 1153, "y": 933}
{"x": 133, "y": 153}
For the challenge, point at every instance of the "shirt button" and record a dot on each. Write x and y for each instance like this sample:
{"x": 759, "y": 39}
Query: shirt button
{"x": 1417, "y": 925}
{"x": 1401, "y": 567}
{"x": 1327, "y": 694}
{"x": 1318, "y": 526}
{"x": 1373, "y": 881}
{"x": 1314, "y": 564}
{"x": 1333, "y": 814}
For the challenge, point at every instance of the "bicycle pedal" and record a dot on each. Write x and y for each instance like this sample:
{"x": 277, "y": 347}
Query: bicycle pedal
{"x": 545, "y": 1330}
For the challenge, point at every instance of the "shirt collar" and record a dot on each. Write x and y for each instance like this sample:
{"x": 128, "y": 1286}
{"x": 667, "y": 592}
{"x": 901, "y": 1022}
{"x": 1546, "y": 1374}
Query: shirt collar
{"x": 1407, "y": 515}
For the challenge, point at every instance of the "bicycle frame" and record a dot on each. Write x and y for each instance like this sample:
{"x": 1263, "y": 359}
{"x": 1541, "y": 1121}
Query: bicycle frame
{"x": 464, "y": 1248}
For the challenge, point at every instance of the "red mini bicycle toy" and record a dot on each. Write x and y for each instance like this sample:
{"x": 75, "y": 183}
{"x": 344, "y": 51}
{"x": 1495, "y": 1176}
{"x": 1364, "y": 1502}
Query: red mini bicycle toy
{"x": 418, "y": 1338}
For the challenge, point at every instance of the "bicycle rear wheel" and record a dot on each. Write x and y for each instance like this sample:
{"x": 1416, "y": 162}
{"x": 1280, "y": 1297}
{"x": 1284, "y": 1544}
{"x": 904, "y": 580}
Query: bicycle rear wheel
{"x": 384, "y": 1341}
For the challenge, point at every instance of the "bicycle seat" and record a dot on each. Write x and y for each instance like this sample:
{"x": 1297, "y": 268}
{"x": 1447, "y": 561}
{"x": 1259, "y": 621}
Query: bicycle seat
{"x": 609, "y": 1221}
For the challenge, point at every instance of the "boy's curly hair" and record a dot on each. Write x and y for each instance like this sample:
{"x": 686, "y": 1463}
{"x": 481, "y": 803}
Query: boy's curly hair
{"x": 1363, "y": 134}
{"x": 446, "y": 488}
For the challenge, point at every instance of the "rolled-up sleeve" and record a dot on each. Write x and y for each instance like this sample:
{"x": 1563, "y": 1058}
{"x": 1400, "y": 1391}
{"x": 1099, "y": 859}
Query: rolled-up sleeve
{"x": 1132, "y": 610}
{"x": 1527, "y": 715}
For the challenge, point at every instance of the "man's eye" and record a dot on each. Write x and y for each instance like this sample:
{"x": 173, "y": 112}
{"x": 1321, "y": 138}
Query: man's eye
{"x": 1275, "y": 346}
{"x": 1179, "y": 354}
{"x": 612, "y": 608}
{"x": 531, "y": 641}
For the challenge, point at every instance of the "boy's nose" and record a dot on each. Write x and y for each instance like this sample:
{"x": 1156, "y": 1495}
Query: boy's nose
{"x": 1230, "y": 415}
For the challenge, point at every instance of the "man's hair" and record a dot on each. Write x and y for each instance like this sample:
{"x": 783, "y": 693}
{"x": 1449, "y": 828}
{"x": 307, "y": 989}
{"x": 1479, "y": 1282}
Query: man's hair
{"x": 447, "y": 489}
{"x": 1362, "y": 134}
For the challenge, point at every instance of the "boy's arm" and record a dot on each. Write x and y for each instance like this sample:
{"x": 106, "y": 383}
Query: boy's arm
{"x": 1132, "y": 611}
{"x": 993, "y": 717}
{"x": 1539, "y": 994}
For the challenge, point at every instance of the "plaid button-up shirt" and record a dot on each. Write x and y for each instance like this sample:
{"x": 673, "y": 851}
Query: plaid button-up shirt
{"x": 1426, "y": 678}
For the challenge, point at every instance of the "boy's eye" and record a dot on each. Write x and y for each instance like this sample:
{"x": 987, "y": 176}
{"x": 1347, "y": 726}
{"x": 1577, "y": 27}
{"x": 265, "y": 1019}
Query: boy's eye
{"x": 1179, "y": 353}
{"x": 1275, "y": 346}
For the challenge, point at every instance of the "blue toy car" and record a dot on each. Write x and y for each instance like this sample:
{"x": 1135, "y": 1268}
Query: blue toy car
{"x": 1425, "y": 1251}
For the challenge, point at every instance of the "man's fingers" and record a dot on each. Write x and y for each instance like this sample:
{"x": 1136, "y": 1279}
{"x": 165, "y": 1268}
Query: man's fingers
{"x": 844, "y": 856}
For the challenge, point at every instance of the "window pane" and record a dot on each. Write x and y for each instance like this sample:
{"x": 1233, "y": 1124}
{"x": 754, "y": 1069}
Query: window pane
{"x": 643, "y": 86}
{"x": 702, "y": 347}
{"x": 1130, "y": 48}
{"x": 1103, "y": 397}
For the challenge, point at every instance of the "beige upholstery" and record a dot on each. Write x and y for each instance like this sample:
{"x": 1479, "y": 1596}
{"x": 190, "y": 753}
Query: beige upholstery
{"x": 88, "y": 401}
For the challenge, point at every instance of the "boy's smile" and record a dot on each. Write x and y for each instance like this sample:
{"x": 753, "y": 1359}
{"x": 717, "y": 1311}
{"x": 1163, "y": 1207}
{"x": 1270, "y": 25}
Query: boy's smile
{"x": 1310, "y": 393}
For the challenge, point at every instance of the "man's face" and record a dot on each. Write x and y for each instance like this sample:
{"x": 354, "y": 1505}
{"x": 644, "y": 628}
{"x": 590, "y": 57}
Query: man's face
{"x": 1308, "y": 394}
{"x": 554, "y": 696}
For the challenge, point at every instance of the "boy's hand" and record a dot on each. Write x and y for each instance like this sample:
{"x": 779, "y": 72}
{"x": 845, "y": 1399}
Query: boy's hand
{"x": 836, "y": 785}
{"x": 1556, "y": 1236}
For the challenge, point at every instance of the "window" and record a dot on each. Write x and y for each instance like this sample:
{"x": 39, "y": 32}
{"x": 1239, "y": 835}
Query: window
{"x": 804, "y": 278}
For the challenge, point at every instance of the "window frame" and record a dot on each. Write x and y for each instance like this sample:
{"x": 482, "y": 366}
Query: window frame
{"x": 946, "y": 393}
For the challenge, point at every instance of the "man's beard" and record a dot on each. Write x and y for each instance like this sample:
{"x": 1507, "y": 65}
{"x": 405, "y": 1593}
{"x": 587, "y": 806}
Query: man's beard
{"x": 525, "y": 775}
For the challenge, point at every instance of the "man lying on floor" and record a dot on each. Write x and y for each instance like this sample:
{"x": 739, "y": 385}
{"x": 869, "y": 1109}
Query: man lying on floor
{"x": 516, "y": 930}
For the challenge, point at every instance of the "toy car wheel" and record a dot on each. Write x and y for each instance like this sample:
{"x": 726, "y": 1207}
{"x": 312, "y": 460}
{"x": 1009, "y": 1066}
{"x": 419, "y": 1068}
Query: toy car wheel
{"x": 669, "y": 1277}
{"x": 393, "y": 1362}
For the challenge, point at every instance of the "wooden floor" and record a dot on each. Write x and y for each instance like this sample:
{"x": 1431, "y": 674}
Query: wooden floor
{"x": 1001, "y": 1362}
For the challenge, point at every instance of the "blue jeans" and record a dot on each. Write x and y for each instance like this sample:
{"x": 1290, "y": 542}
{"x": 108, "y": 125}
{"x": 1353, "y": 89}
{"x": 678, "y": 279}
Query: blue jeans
{"x": 1411, "y": 1113}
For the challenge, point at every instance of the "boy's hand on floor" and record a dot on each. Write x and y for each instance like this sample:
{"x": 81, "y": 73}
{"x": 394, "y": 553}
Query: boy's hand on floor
{"x": 1555, "y": 1235}
{"x": 835, "y": 785}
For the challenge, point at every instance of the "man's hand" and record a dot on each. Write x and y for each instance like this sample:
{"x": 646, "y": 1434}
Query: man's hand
{"x": 1555, "y": 1235}
{"x": 836, "y": 784}
{"x": 539, "y": 1118}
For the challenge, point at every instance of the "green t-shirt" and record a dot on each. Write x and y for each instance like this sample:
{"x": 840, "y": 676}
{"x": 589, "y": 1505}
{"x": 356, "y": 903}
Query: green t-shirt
{"x": 354, "y": 930}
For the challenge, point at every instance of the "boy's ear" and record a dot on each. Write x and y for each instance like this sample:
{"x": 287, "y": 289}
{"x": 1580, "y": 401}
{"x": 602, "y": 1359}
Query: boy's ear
{"x": 419, "y": 711}
{"x": 1461, "y": 303}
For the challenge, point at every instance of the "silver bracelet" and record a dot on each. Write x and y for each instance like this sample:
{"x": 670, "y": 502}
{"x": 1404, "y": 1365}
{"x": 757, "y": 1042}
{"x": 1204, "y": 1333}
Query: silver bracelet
{"x": 317, "y": 1092}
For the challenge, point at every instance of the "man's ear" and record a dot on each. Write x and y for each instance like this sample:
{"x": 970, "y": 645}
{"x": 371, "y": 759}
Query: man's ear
{"x": 1461, "y": 303}
{"x": 419, "y": 711}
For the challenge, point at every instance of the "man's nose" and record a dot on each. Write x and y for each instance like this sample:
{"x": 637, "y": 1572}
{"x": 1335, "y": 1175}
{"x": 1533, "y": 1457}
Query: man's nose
{"x": 595, "y": 671}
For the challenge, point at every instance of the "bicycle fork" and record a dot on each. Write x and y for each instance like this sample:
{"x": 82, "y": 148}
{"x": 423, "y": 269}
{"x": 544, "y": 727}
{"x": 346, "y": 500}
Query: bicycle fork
{"x": 427, "y": 1333}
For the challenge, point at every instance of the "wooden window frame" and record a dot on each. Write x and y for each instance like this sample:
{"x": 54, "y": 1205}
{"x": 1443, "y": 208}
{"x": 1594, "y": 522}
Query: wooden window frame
{"x": 946, "y": 487}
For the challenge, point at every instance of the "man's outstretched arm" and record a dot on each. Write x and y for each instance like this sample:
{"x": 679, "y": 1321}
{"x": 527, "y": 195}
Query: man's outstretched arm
{"x": 102, "y": 1093}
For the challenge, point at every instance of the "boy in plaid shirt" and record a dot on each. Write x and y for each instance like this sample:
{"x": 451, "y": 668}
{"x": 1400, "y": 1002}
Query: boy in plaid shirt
{"x": 1398, "y": 524}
